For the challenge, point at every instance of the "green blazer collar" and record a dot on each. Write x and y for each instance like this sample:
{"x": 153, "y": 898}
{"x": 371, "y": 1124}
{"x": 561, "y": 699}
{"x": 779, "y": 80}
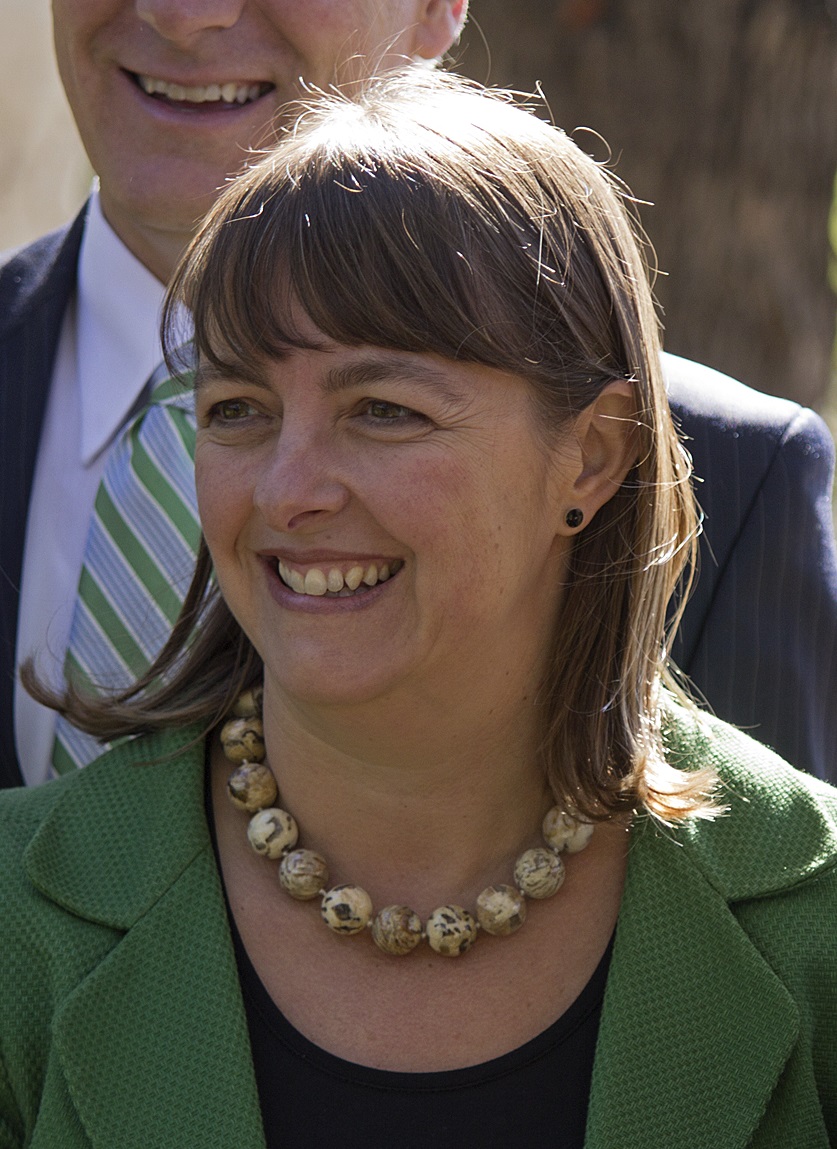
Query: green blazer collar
{"x": 153, "y": 1042}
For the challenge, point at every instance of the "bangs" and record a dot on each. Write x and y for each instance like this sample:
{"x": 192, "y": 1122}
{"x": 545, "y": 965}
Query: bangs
{"x": 380, "y": 246}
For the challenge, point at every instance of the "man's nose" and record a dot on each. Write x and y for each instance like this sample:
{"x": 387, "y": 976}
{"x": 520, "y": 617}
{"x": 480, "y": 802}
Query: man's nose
{"x": 178, "y": 20}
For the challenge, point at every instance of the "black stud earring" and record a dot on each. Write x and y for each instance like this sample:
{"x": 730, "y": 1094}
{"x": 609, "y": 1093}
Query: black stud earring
{"x": 574, "y": 518}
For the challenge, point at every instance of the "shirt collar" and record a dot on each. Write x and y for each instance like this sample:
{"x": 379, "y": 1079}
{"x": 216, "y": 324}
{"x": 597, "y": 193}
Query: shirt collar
{"x": 118, "y": 338}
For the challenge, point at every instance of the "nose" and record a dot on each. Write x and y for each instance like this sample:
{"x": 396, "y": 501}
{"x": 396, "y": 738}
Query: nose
{"x": 179, "y": 20}
{"x": 300, "y": 489}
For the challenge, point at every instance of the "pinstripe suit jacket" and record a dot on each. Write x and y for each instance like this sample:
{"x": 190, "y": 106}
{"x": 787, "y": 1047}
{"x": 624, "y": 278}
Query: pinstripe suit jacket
{"x": 759, "y": 637}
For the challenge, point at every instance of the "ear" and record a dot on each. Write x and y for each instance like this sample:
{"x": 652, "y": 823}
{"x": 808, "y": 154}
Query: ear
{"x": 606, "y": 437}
{"x": 440, "y": 24}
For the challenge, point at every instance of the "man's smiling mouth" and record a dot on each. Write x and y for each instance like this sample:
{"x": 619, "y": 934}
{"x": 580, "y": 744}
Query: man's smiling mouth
{"x": 226, "y": 94}
{"x": 337, "y": 581}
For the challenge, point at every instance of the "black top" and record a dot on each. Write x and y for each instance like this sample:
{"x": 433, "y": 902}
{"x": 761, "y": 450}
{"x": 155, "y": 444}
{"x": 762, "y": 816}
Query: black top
{"x": 310, "y": 1099}
{"x": 535, "y": 1095}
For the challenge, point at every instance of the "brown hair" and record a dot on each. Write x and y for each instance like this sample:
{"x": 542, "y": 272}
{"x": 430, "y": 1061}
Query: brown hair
{"x": 428, "y": 215}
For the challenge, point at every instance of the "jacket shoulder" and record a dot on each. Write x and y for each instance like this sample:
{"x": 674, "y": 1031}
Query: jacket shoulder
{"x": 779, "y": 828}
{"x": 712, "y": 406}
{"x": 22, "y": 810}
{"x": 137, "y": 789}
{"x": 700, "y": 392}
{"x": 32, "y": 275}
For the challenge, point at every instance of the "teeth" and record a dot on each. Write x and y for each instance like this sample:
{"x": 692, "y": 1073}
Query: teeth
{"x": 354, "y": 578}
{"x": 315, "y": 583}
{"x": 318, "y": 582}
{"x": 229, "y": 93}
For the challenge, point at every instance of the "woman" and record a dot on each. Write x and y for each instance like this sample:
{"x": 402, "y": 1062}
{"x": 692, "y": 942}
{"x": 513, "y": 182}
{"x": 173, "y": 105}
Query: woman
{"x": 445, "y": 509}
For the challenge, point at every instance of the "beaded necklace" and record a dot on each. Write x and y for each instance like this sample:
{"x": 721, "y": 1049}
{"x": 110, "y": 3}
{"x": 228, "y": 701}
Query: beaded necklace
{"x": 347, "y": 909}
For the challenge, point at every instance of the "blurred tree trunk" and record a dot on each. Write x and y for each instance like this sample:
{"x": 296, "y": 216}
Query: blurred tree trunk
{"x": 722, "y": 113}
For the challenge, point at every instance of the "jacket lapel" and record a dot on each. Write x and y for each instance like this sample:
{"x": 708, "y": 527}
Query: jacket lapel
{"x": 686, "y": 989}
{"x": 153, "y": 1041}
{"x": 35, "y": 286}
{"x": 697, "y": 1028}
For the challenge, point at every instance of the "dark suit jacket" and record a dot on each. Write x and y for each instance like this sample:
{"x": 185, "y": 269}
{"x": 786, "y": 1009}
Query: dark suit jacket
{"x": 759, "y": 637}
{"x": 35, "y": 287}
{"x": 121, "y": 1011}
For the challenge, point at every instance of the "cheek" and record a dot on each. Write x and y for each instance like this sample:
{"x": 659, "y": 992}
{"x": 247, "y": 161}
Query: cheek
{"x": 225, "y": 496}
{"x": 337, "y": 34}
{"x": 455, "y": 518}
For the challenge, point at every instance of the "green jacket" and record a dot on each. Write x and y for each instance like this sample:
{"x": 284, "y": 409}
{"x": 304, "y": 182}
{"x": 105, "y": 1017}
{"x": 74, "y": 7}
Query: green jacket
{"x": 121, "y": 1022}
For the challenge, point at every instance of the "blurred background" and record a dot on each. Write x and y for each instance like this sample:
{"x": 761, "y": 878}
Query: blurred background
{"x": 44, "y": 175}
{"x": 720, "y": 114}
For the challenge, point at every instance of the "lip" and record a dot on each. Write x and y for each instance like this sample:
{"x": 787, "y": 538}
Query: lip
{"x": 321, "y": 604}
{"x": 306, "y": 559}
{"x": 214, "y": 110}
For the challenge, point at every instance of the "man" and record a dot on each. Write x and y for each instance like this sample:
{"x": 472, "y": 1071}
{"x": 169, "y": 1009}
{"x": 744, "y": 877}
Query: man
{"x": 168, "y": 96}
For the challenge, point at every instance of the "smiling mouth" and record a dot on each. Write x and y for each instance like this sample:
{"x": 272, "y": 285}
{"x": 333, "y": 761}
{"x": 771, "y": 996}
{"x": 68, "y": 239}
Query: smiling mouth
{"x": 334, "y": 582}
{"x": 228, "y": 94}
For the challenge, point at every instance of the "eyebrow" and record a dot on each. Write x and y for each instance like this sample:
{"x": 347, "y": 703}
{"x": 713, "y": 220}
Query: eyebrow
{"x": 389, "y": 370}
{"x": 207, "y": 373}
{"x": 354, "y": 376}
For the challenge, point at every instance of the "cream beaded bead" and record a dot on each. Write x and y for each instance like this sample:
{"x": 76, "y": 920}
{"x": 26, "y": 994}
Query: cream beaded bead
{"x": 539, "y": 873}
{"x": 346, "y": 909}
{"x": 451, "y": 930}
{"x": 563, "y": 832}
{"x": 249, "y": 704}
{"x": 396, "y": 930}
{"x": 303, "y": 874}
{"x": 252, "y": 787}
{"x": 243, "y": 739}
{"x": 272, "y": 831}
{"x": 501, "y": 910}
{"x": 580, "y": 837}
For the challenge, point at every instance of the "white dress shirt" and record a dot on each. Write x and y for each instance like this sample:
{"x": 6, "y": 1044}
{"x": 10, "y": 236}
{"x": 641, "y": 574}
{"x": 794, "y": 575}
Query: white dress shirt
{"x": 109, "y": 345}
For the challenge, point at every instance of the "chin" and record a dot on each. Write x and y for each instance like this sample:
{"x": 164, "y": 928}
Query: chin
{"x": 329, "y": 690}
{"x": 163, "y": 193}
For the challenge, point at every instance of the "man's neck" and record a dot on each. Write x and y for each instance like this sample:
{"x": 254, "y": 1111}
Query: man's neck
{"x": 159, "y": 249}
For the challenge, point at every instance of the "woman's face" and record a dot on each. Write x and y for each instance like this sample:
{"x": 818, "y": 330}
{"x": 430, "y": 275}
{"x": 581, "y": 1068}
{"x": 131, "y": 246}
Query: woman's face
{"x": 423, "y": 478}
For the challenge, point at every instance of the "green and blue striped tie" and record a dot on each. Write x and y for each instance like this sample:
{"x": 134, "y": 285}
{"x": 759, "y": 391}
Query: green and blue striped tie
{"x": 139, "y": 557}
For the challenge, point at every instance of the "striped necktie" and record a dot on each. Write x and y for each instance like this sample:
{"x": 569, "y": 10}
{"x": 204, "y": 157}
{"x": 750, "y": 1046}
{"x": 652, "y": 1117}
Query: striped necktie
{"x": 139, "y": 557}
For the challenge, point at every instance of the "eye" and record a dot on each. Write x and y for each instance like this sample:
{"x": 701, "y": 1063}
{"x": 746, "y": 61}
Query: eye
{"x": 380, "y": 411}
{"x": 230, "y": 411}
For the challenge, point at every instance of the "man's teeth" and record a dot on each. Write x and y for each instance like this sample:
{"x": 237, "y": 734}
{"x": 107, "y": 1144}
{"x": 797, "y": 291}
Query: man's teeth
{"x": 320, "y": 581}
{"x": 210, "y": 94}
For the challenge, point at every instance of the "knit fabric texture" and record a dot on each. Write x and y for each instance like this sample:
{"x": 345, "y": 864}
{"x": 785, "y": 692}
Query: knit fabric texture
{"x": 121, "y": 1022}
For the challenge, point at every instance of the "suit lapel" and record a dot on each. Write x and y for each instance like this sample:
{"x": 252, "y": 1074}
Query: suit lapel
{"x": 35, "y": 286}
{"x": 686, "y": 989}
{"x": 153, "y": 1042}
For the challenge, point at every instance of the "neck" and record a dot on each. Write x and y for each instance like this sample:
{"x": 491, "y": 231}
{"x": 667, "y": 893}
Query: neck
{"x": 158, "y": 248}
{"x": 409, "y": 806}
